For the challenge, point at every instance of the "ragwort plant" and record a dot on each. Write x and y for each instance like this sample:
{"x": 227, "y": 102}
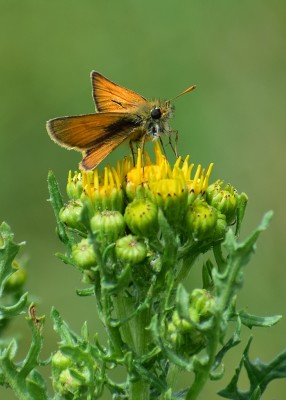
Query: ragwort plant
{"x": 135, "y": 233}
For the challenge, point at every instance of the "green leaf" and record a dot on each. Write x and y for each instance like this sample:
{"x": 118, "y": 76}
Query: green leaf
{"x": 232, "y": 342}
{"x": 15, "y": 309}
{"x": 230, "y": 280}
{"x": 8, "y": 251}
{"x": 90, "y": 291}
{"x": 37, "y": 386}
{"x": 207, "y": 275}
{"x": 250, "y": 320}
{"x": 259, "y": 375}
{"x": 182, "y": 302}
{"x": 57, "y": 203}
{"x": 68, "y": 337}
{"x": 242, "y": 203}
{"x": 22, "y": 377}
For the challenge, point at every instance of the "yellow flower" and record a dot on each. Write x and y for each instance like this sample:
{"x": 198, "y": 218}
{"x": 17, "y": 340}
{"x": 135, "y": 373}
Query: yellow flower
{"x": 171, "y": 188}
{"x": 160, "y": 176}
{"x": 104, "y": 191}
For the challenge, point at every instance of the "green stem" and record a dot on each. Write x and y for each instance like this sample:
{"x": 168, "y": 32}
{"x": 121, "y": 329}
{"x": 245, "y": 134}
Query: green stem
{"x": 185, "y": 269}
{"x": 171, "y": 377}
{"x": 112, "y": 331}
{"x": 124, "y": 307}
{"x": 17, "y": 385}
{"x": 224, "y": 299}
{"x": 135, "y": 335}
{"x": 139, "y": 389}
{"x": 203, "y": 375}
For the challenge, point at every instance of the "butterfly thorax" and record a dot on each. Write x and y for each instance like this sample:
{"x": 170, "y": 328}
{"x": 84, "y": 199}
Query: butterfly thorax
{"x": 155, "y": 116}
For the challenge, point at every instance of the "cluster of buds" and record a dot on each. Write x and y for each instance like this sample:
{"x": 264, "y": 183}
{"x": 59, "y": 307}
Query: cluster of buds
{"x": 187, "y": 331}
{"x": 124, "y": 205}
{"x": 74, "y": 379}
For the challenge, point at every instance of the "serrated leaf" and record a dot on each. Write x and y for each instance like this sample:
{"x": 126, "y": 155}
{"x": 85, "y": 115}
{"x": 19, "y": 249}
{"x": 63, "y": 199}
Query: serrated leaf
{"x": 90, "y": 291}
{"x": 259, "y": 374}
{"x": 57, "y": 203}
{"x": 68, "y": 337}
{"x": 37, "y": 386}
{"x": 232, "y": 342}
{"x": 15, "y": 309}
{"x": 207, "y": 275}
{"x": 182, "y": 302}
{"x": 242, "y": 203}
{"x": 8, "y": 251}
{"x": 250, "y": 320}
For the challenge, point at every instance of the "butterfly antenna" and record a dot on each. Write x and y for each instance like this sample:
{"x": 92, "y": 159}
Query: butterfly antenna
{"x": 184, "y": 92}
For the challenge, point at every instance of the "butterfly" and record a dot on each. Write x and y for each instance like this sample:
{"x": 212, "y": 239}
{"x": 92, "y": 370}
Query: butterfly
{"x": 122, "y": 115}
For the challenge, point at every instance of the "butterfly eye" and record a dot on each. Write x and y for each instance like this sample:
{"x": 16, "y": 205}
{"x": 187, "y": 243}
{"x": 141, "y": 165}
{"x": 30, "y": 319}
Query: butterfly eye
{"x": 156, "y": 113}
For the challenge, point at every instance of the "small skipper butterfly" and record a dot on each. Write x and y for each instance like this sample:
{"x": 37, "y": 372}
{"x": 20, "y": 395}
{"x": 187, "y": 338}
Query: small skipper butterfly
{"x": 121, "y": 115}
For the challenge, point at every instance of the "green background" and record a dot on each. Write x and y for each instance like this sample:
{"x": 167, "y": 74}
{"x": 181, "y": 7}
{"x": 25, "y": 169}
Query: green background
{"x": 234, "y": 51}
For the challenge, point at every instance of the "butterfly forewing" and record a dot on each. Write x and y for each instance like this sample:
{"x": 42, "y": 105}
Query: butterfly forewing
{"x": 110, "y": 97}
{"x": 92, "y": 130}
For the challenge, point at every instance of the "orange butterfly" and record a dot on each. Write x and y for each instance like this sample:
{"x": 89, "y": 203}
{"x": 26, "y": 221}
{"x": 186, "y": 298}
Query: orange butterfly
{"x": 122, "y": 114}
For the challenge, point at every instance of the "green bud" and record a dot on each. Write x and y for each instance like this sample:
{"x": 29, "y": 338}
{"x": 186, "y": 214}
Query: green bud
{"x": 67, "y": 383}
{"x": 74, "y": 185}
{"x": 183, "y": 333}
{"x": 184, "y": 336}
{"x": 202, "y": 303}
{"x": 171, "y": 196}
{"x": 130, "y": 250}
{"x": 141, "y": 216}
{"x": 16, "y": 281}
{"x": 83, "y": 254}
{"x": 201, "y": 220}
{"x": 88, "y": 276}
{"x": 220, "y": 228}
{"x": 108, "y": 226}
{"x": 224, "y": 199}
{"x": 70, "y": 215}
{"x": 72, "y": 376}
{"x": 60, "y": 362}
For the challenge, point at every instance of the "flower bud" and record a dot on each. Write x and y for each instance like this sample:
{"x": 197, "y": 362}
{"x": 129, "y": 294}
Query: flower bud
{"x": 171, "y": 196}
{"x": 202, "y": 303}
{"x": 220, "y": 228}
{"x": 60, "y": 361}
{"x": 224, "y": 199}
{"x": 201, "y": 220}
{"x": 104, "y": 191}
{"x": 72, "y": 377}
{"x": 16, "y": 281}
{"x": 83, "y": 254}
{"x": 130, "y": 250}
{"x": 68, "y": 384}
{"x": 108, "y": 226}
{"x": 184, "y": 332}
{"x": 74, "y": 185}
{"x": 141, "y": 216}
{"x": 70, "y": 215}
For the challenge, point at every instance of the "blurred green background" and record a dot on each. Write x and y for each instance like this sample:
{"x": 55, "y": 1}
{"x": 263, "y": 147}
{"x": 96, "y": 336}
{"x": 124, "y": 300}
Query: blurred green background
{"x": 233, "y": 51}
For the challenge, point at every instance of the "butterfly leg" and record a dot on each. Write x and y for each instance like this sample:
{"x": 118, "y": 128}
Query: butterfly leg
{"x": 163, "y": 147}
{"x": 132, "y": 151}
{"x": 174, "y": 148}
{"x": 143, "y": 151}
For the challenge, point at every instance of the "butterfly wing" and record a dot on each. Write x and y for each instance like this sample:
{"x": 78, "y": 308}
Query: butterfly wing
{"x": 110, "y": 97}
{"x": 96, "y": 134}
{"x": 94, "y": 156}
